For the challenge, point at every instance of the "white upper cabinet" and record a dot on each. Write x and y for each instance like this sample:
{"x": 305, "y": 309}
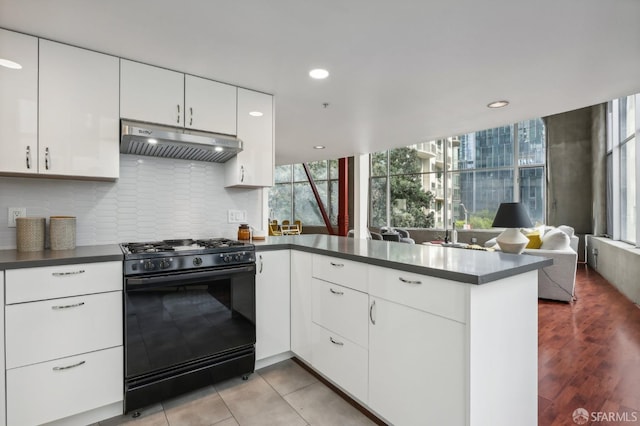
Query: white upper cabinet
{"x": 253, "y": 167}
{"x": 158, "y": 95}
{"x": 78, "y": 112}
{"x": 209, "y": 105}
{"x": 151, "y": 94}
{"x": 19, "y": 104}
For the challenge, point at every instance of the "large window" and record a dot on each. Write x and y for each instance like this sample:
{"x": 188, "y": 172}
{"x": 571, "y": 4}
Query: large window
{"x": 291, "y": 198}
{"x": 460, "y": 179}
{"x": 622, "y": 176}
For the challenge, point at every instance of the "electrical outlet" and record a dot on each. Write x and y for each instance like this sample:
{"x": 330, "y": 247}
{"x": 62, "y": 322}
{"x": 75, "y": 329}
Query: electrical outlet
{"x": 13, "y": 213}
{"x": 237, "y": 216}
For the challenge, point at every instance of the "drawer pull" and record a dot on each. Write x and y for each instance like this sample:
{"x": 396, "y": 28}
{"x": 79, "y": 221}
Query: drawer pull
{"x": 69, "y": 366}
{"x": 337, "y": 265}
{"x": 335, "y": 342}
{"x": 64, "y": 274}
{"x": 339, "y": 293}
{"x": 59, "y": 307}
{"x": 409, "y": 281}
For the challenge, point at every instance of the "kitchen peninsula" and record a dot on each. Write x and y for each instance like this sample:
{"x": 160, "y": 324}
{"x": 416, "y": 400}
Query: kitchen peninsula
{"x": 417, "y": 334}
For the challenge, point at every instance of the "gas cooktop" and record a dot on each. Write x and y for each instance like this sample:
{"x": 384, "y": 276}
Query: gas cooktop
{"x": 212, "y": 245}
{"x": 180, "y": 255}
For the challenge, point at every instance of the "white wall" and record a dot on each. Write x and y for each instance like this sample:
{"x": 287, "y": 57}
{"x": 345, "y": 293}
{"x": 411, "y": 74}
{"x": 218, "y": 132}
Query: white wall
{"x": 155, "y": 198}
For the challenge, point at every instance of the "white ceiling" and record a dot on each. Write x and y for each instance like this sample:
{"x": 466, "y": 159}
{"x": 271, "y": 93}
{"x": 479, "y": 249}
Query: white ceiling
{"x": 402, "y": 71}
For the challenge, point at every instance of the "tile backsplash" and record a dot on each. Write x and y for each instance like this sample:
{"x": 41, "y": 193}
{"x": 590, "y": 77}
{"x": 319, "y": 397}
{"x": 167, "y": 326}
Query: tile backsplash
{"x": 155, "y": 198}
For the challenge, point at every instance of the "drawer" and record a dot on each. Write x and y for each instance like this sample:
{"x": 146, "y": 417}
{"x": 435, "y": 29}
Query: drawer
{"x": 50, "y": 329}
{"x": 53, "y": 390}
{"x": 341, "y": 271}
{"x": 341, "y": 310}
{"x": 49, "y": 282}
{"x": 341, "y": 361}
{"x": 429, "y": 294}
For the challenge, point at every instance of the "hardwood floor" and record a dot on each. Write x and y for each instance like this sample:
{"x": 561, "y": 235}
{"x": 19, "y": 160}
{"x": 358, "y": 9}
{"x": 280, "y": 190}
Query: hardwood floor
{"x": 589, "y": 355}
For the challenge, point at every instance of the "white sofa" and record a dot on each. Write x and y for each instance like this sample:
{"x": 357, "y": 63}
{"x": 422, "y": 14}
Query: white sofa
{"x": 557, "y": 281}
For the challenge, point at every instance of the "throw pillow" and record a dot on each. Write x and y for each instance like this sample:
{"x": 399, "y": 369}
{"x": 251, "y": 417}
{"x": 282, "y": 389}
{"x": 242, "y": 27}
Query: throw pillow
{"x": 535, "y": 242}
{"x": 555, "y": 239}
{"x": 567, "y": 230}
{"x": 490, "y": 243}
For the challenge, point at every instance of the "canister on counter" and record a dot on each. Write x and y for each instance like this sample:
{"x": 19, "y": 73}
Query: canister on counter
{"x": 30, "y": 233}
{"x": 62, "y": 232}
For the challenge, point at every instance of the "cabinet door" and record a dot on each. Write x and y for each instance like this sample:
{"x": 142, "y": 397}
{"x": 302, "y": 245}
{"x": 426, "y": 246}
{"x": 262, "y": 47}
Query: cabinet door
{"x": 151, "y": 94}
{"x": 19, "y": 104}
{"x": 78, "y": 112}
{"x": 272, "y": 303}
{"x": 253, "y": 167}
{"x": 301, "y": 304}
{"x": 417, "y": 366}
{"x": 53, "y": 390}
{"x": 209, "y": 105}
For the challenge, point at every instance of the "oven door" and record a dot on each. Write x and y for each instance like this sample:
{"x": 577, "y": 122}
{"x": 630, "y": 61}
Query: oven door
{"x": 186, "y": 318}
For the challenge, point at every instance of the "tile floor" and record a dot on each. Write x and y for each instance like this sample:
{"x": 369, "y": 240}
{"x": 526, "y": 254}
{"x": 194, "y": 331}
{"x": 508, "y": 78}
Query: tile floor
{"x": 281, "y": 394}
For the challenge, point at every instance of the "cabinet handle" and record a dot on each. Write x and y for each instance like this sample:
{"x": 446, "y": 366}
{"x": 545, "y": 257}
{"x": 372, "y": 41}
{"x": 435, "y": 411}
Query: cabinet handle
{"x": 64, "y": 274}
{"x": 409, "y": 281}
{"x": 178, "y": 113}
{"x": 337, "y": 265}
{"x": 261, "y": 264}
{"x": 373, "y": 305}
{"x": 191, "y": 116}
{"x": 28, "y": 157}
{"x": 241, "y": 173}
{"x": 46, "y": 158}
{"x": 59, "y": 307}
{"x": 339, "y": 293}
{"x": 335, "y": 342}
{"x": 69, "y": 366}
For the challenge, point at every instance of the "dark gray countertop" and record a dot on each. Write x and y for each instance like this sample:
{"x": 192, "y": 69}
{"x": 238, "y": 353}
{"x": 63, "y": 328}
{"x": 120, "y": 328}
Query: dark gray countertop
{"x": 462, "y": 265}
{"x": 13, "y": 259}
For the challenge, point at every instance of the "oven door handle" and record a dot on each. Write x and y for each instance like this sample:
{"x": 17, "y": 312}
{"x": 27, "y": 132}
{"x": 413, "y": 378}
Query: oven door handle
{"x": 171, "y": 279}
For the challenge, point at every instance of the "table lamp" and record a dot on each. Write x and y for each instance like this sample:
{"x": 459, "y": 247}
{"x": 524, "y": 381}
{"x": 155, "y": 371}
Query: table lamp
{"x": 512, "y": 216}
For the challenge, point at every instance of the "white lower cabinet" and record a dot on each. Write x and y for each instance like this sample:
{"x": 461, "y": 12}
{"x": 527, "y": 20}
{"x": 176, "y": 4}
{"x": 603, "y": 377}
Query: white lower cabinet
{"x": 417, "y": 366}
{"x": 340, "y": 360}
{"x": 62, "y": 327}
{"x": 52, "y": 390}
{"x": 63, "y": 343}
{"x": 272, "y": 303}
{"x": 301, "y": 304}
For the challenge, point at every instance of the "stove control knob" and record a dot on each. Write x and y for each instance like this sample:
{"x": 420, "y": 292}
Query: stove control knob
{"x": 148, "y": 265}
{"x": 197, "y": 261}
{"x": 227, "y": 259}
{"x": 164, "y": 264}
{"x": 237, "y": 257}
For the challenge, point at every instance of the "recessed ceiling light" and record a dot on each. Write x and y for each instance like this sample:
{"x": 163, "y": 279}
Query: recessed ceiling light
{"x": 218, "y": 149}
{"x": 10, "y": 64}
{"x": 498, "y": 104}
{"x": 152, "y": 141}
{"x": 319, "y": 147}
{"x": 255, "y": 114}
{"x": 319, "y": 73}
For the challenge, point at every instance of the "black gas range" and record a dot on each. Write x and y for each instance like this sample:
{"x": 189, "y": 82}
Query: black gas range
{"x": 189, "y": 316}
{"x": 184, "y": 254}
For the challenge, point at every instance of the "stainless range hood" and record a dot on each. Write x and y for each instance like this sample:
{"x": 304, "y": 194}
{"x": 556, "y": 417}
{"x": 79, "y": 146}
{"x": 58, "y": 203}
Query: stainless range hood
{"x": 174, "y": 142}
